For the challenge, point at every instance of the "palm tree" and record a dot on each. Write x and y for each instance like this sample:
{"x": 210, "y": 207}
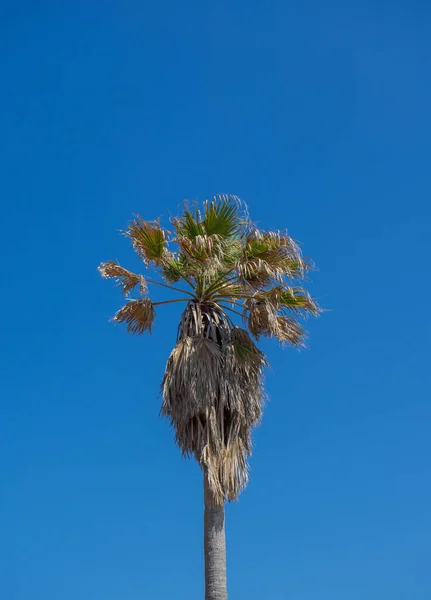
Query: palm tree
{"x": 213, "y": 383}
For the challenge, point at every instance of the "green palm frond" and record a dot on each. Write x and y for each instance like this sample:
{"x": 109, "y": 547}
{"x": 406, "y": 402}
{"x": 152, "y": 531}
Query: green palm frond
{"x": 148, "y": 239}
{"x": 137, "y": 314}
{"x": 271, "y": 255}
{"x": 296, "y": 299}
{"x": 189, "y": 225}
{"x": 221, "y": 217}
{"x": 232, "y": 252}
{"x": 176, "y": 267}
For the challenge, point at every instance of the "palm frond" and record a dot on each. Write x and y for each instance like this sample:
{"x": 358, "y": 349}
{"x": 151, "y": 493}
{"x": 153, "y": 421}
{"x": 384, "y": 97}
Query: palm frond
{"x": 125, "y": 279}
{"x": 246, "y": 351}
{"x": 221, "y": 216}
{"x": 260, "y": 317}
{"x": 199, "y": 248}
{"x": 189, "y": 225}
{"x": 271, "y": 255}
{"x": 262, "y": 320}
{"x": 255, "y": 273}
{"x": 232, "y": 252}
{"x": 228, "y": 289}
{"x": 295, "y": 299}
{"x": 176, "y": 267}
{"x": 137, "y": 314}
{"x": 148, "y": 239}
{"x": 298, "y": 300}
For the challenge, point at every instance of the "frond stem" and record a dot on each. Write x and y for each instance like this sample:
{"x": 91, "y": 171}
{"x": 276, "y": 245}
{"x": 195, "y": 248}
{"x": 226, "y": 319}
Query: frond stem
{"x": 213, "y": 287}
{"x": 230, "y": 309}
{"x": 228, "y": 300}
{"x": 171, "y": 301}
{"x": 170, "y": 287}
{"x": 187, "y": 281}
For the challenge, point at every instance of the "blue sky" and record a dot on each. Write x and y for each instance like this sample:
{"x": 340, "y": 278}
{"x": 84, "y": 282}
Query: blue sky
{"x": 317, "y": 115}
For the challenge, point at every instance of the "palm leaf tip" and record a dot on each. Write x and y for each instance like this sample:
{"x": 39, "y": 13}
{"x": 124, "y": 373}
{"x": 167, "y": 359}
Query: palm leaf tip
{"x": 137, "y": 314}
{"x": 125, "y": 279}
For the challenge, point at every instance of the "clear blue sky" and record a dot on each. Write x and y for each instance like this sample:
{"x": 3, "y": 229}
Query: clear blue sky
{"x": 317, "y": 115}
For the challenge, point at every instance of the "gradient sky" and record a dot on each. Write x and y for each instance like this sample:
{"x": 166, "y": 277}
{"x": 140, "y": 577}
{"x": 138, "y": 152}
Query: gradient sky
{"x": 318, "y": 116}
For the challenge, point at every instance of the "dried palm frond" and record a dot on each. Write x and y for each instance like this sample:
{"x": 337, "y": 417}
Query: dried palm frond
{"x": 125, "y": 279}
{"x": 290, "y": 331}
{"x": 137, "y": 314}
{"x": 199, "y": 248}
{"x": 213, "y": 393}
{"x": 262, "y": 319}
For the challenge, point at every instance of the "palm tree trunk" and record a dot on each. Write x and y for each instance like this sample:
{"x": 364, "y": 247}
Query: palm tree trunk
{"x": 214, "y": 547}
